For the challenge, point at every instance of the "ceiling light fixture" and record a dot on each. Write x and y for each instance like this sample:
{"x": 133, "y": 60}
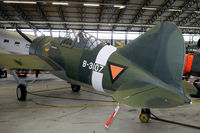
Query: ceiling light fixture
{"x": 149, "y": 8}
{"x": 120, "y": 6}
{"x": 60, "y": 3}
{"x": 19, "y": 2}
{"x": 174, "y": 10}
{"x": 197, "y": 12}
{"x": 90, "y": 4}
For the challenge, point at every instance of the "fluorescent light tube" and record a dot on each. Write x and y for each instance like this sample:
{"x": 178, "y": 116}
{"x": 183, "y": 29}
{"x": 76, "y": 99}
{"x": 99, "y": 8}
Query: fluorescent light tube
{"x": 119, "y": 6}
{"x": 20, "y": 2}
{"x": 175, "y": 10}
{"x": 60, "y": 3}
{"x": 149, "y": 8}
{"x": 90, "y": 4}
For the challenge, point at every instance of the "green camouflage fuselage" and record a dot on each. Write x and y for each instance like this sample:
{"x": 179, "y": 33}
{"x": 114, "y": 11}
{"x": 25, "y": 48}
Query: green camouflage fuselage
{"x": 71, "y": 60}
{"x": 146, "y": 73}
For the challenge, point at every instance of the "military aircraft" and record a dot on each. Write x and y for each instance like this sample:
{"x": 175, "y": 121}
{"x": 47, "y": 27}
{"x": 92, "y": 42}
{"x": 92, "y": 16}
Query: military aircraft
{"x": 146, "y": 73}
{"x": 14, "y": 42}
{"x": 17, "y": 43}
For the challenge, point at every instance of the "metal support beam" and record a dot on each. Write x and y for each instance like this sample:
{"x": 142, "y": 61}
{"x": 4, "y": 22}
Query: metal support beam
{"x": 81, "y": 11}
{"x": 113, "y": 11}
{"x": 111, "y": 42}
{"x": 139, "y": 14}
{"x": 91, "y": 29}
{"x": 187, "y": 19}
{"x": 5, "y": 16}
{"x": 82, "y": 16}
{"x": 160, "y": 11}
{"x": 100, "y": 14}
{"x": 184, "y": 8}
{"x": 17, "y": 79}
{"x": 62, "y": 16}
{"x": 126, "y": 38}
{"x": 43, "y": 16}
{"x": 120, "y": 14}
{"x": 18, "y": 8}
{"x": 197, "y": 4}
{"x": 196, "y": 23}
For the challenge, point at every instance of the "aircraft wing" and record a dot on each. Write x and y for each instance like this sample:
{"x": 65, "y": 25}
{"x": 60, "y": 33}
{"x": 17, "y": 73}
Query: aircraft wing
{"x": 14, "y": 61}
{"x": 147, "y": 95}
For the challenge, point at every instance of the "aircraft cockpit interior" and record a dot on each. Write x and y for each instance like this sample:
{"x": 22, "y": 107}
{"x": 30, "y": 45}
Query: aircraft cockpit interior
{"x": 86, "y": 41}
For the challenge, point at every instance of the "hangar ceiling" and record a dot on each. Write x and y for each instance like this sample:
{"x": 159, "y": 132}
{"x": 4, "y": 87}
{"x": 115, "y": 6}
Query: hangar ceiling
{"x": 102, "y": 15}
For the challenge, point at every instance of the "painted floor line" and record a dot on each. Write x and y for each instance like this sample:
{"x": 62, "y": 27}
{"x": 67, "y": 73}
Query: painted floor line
{"x": 84, "y": 106}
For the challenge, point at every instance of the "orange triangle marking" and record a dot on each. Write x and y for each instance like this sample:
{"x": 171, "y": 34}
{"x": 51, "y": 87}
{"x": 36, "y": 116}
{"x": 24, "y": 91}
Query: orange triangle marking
{"x": 115, "y": 70}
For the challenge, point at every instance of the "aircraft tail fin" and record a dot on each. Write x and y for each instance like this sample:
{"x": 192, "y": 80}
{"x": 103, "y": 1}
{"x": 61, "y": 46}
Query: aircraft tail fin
{"x": 160, "y": 51}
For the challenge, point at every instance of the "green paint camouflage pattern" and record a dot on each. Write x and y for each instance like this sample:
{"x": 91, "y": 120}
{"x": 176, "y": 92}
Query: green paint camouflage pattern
{"x": 154, "y": 64}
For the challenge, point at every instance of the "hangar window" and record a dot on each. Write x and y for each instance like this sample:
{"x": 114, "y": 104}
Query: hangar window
{"x": 17, "y": 43}
{"x": 27, "y": 46}
{"x": 6, "y": 41}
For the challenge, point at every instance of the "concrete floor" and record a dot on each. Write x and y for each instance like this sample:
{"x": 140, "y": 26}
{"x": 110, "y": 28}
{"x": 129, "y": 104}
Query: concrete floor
{"x": 55, "y": 108}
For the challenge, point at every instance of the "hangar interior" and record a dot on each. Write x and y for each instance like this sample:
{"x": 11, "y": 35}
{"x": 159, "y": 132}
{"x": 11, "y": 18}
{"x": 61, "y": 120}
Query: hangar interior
{"x": 105, "y": 19}
{"x": 51, "y": 106}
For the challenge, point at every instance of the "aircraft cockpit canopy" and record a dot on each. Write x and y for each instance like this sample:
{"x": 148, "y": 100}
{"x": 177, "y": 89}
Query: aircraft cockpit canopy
{"x": 69, "y": 38}
{"x": 80, "y": 40}
{"x": 86, "y": 41}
